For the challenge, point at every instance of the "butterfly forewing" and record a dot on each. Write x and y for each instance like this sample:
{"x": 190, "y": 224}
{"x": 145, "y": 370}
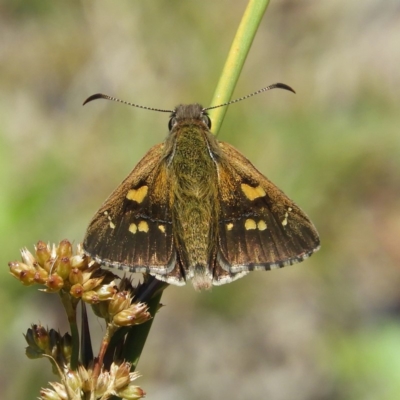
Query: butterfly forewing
{"x": 259, "y": 227}
{"x": 133, "y": 229}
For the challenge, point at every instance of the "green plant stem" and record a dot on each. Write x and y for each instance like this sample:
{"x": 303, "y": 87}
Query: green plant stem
{"x": 70, "y": 308}
{"x": 236, "y": 58}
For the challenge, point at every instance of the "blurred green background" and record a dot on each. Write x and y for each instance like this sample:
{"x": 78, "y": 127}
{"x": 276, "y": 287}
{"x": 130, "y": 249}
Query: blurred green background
{"x": 328, "y": 329}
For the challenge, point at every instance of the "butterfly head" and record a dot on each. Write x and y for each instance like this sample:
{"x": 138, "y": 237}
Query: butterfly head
{"x": 187, "y": 114}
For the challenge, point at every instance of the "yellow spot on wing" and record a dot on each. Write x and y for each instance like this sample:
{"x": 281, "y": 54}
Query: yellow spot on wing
{"x": 137, "y": 195}
{"x": 250, "y": 224}
{"x": 132, "y": 228}
{"x": 111, "y": 224}
{"x": 262, "y": 226}
{"x": 229, "y": 226}
{"x": 285, "y": 220}
{"x": 161, "y": 228}
{"x": 143, "y": 226}
{"x": 252, "y": 193}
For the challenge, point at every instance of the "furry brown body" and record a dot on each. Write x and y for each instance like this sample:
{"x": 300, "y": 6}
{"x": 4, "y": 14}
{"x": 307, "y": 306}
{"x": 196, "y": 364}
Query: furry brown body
{"x": 194, "y": 199}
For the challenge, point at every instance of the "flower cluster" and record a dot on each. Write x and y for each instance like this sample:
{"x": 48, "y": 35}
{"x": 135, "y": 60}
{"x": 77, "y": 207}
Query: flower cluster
{"x": 43, "y": 342}
{"x": 76, "y": 278}
{"x": 58, "y": 268}
{"x": 79, "y": 277}
{"x": 77, "y": 385}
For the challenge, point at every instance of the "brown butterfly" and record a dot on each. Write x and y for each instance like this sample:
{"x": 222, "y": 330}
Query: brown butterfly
{"x": 195, "y": 208}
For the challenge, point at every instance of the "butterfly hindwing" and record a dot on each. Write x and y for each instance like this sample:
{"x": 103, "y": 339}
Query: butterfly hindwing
{"x": 133, "y": 229}
{"x": 259, "y": 226}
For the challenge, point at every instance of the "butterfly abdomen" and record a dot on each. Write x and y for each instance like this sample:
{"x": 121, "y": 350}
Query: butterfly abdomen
{"x": 194, "y": 204}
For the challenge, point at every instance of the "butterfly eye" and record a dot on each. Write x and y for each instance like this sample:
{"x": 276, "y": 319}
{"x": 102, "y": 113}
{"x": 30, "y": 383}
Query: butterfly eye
{"x": 206, "y": 119}
{"x": 172, "y": 122}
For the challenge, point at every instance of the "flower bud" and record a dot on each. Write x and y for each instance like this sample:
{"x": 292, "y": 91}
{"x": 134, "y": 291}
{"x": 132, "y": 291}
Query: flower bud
{"x": 48, "y": 394}
{"x": 102, "y": 384}
{"x": 23, "y": 272}
{"x": 131, "y": 392}
{"x": 119, "y": 302}
{"x": 92, "y": 283}
{"x": 90, "y": 297}
{"x": 33, "y": 351}
{"x": 73, "y": 381}
{"x": 28, "y": 258}
{"x": 76, "y": 291}
{"x": 134, "y": 315}
{"x": 121, "y": 375}
{"x": 41, "y": 275}
{"x": 64, "y": 267}
{"x": 86, "y": 378}
{"x": 41, "y": 337}
{"x": 60, "y": 390}
{"x": 79, "y": 261}
{"x": 64, "y": 249}
{"x": 54, "y": 283}
{"x": 75, "y": 276}
{"x": 66, "y": 347}
{"x": 106, "y": 292}
{"x": 43, "y": 254}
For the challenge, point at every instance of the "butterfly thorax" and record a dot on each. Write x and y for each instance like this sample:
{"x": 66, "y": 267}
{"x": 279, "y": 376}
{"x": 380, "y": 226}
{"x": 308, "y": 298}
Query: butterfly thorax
{"x": 194, "y": 200}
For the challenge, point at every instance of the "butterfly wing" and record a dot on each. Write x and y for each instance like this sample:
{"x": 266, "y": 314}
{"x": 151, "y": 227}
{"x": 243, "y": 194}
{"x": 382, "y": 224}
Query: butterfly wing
{"x": 133, "y": 228}
{"x": 259, "y": 226}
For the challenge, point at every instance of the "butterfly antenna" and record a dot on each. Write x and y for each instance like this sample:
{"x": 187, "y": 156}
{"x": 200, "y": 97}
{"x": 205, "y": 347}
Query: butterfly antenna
{"x": 105, "y": 96}
{"x": 273, "y": 86}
